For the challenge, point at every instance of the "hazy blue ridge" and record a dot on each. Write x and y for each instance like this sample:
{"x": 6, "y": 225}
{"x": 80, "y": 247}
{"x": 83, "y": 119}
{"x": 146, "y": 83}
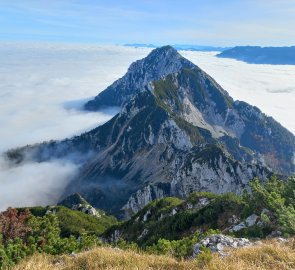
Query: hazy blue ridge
{"x": 261, "y": 55}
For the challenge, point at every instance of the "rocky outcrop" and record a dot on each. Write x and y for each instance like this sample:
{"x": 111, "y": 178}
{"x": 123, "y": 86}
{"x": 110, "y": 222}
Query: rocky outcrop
{"x": 144, "y": 196}
{"x": 219, "y": 243}
{"x": 77, "y": 202}
{"x": 87, "y": 209}
{"x": 249, "y": 221}
{"x": 202, "y": 202}
{"x": 253, "y": 220}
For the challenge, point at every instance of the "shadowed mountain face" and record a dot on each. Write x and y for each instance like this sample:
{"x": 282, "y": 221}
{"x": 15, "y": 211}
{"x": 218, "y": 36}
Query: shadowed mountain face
{"x": 261, "y": 55}
{"x": 178, "y": 132}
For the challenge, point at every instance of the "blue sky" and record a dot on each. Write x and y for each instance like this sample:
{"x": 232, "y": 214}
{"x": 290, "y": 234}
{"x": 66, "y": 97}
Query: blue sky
{"x": 211, "y": 22}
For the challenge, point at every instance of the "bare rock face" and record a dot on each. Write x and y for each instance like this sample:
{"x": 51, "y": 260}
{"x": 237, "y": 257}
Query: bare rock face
{"x": 142, "y": 197}
{"x": 219, "y": 242}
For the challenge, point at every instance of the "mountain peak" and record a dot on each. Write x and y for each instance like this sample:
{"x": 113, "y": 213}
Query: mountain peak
{"x": 164, "y": 50}
{"x": 158, "y": 63}
{"x": 73, "y": 199}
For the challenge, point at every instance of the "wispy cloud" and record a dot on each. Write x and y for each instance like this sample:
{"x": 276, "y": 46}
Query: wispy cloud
{"x": 227, "y": 22}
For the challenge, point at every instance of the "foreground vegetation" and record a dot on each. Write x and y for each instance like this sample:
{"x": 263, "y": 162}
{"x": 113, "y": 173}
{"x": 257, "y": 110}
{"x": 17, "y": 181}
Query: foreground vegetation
{"x": 270, "y": 255}
{"x": 167, "y": 227}
{"x": 52, "y": 230}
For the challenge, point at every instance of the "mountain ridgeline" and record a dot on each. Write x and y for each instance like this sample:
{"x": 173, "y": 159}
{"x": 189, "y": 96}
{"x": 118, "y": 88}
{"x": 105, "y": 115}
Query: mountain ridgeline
{"x": 261, "y": 55}
{"x": 178, "y": 131}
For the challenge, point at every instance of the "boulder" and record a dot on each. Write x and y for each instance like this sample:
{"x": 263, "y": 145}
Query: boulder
{"x": 249, "y": 221}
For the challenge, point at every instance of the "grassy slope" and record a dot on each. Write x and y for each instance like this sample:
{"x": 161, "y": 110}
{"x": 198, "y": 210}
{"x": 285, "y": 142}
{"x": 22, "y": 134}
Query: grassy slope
{"x": 75, "y": 222}
{"x": 267, "y": 256}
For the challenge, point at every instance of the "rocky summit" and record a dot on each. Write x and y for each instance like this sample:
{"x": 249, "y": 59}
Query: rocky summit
{"x": 158, "y": 63}
{"x": 178, "y": 131}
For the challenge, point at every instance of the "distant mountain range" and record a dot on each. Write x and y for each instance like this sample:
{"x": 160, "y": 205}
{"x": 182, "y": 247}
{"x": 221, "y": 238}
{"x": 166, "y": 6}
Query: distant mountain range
{"x": 261, "y": 55}
{"x": 183, "y": 47}
{"x": 178, "y": 131}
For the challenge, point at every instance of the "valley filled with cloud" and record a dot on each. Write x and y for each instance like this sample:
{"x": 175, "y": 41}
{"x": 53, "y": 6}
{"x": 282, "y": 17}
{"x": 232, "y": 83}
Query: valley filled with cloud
{"x": 43, "y": 88}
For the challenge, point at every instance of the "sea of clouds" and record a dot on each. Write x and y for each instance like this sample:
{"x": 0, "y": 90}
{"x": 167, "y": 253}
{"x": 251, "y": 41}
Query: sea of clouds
{"x": 43, "y": 88}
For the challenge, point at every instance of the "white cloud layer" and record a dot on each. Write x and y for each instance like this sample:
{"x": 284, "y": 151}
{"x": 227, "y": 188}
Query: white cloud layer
{"x": 42, "y": 87}
{"x": 33, "y": 183}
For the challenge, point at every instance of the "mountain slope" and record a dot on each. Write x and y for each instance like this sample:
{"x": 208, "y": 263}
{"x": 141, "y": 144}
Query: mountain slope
{"x": 173, "y": 219}
{"x": 178, "y": 134}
